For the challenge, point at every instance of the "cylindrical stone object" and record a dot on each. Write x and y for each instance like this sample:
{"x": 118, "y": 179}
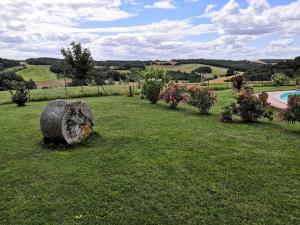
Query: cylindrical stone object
{"x": 66, "y": 121}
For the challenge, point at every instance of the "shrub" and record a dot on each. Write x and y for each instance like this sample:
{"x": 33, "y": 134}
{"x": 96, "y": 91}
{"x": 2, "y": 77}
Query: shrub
{"x": 292, "y": 113}
{"x": 226, "y": 115}
{"x": 154, "y": 72}
{"x": 203, "y": 69}
{"x": 202, "y": 98}
{"x": 173, "y": 94}
{"x": 30, "y": 84}
{"x": 230, "y": 72}
{"x": 239, "y": 83}
{"x": 151, "y": 89}
{"x": 249, "y": 107}
{"x": 280, "y": 79}
{"x": 19, "y": 96}
{"x": 57, "y": 68}
{"x": 8, "y": 80}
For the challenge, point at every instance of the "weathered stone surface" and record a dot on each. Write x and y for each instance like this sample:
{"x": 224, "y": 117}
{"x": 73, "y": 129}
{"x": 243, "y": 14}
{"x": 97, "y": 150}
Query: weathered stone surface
{"x": 66, "y": 121}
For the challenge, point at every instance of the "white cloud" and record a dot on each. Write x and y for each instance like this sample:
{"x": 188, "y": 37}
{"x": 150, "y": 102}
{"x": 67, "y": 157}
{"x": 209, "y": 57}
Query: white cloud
{"x": 281, "y": 43}
{"x": 31, "y": 28}
{"x": 258, "y": 18}
{"x": 162, "y": 4}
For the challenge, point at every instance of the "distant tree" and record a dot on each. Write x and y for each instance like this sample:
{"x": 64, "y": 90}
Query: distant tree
{"x": 79, "y": 63}
{"x": 280, "y": 79}
{"x": 203, "y": 69}
{"x": 57, "y": 68}
{"x": 230, "y": 72}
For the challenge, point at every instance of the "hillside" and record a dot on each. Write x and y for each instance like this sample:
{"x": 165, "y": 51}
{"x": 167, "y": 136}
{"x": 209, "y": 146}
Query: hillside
{"x": 37, "y": 73}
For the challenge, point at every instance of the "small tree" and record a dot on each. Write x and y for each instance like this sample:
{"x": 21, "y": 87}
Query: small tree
{"x": 20, "y": 95}
{"x": 79, "y": 63}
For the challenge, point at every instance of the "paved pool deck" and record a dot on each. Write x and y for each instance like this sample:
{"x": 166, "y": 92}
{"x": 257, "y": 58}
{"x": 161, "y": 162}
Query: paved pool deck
{"x": 274, "y": 99}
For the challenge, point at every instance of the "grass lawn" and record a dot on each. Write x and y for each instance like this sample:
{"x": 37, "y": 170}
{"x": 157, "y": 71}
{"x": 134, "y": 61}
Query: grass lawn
{"x": 150, "y": 165}
{"x": 190, "y": 67}
{"x": 72, "y": 92}
{"x": 37, "y": 73}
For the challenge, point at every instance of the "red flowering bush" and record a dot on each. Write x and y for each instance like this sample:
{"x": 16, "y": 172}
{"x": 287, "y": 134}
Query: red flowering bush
{"x": 173, "y": 94}
{"x": 292, "y": 113}
{"x": 202, "y": 98}
{"x": 249, "y": 108}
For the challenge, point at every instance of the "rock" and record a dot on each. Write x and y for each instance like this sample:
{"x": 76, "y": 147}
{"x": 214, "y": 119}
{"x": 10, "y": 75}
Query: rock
{"x": 66, "y": 121}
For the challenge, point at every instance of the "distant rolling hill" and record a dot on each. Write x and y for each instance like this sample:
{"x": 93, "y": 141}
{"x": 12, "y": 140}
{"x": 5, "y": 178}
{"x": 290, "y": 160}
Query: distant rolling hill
{"x": 37, "y": 73}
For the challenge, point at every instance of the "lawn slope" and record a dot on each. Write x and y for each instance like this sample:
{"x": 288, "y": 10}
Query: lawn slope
{"x": 37, "y": 73}
{"x": 150, "y": 165}
{"x": 190, "y": 67}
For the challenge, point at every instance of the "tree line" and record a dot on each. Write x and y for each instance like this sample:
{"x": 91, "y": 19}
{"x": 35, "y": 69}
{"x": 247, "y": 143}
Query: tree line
{"x": 8, "y": 63}
{"x": 290, "y": 68}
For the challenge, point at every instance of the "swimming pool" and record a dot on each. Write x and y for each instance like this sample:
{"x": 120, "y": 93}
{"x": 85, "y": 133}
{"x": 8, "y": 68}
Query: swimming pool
{"x": 284, "y": 97}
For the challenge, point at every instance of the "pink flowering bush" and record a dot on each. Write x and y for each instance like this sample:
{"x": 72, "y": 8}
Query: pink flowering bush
{"x": 202, "y": 98}
{"x": 173, "y": 94}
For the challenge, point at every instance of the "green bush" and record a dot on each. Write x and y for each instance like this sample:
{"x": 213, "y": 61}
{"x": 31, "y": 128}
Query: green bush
{"x": 30, "y": 84}
{"x": 249, "y": 108}
{"x": 280, "y": 79}
{"x": 151, "y": 89}
{"x": 19, "y": 96}
{"x": 201, "y": 98}
{"x": 292, "y": 113}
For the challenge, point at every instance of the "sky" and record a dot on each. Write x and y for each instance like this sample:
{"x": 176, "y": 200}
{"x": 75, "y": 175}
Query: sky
{"x": 151, "y": 29}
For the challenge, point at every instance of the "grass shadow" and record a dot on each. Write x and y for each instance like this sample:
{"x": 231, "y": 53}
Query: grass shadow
{"x": 63, "y": 146}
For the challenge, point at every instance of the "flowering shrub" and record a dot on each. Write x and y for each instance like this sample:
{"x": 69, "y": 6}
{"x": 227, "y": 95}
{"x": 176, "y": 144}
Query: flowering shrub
{"x": 151, "y": 89}
{"x": 202, "y": 98}
{"x": 249, "y": 107}
{"x": 280, "y": 79}
{"x": 173, "y": 94}
{"x": 292, "y": 113}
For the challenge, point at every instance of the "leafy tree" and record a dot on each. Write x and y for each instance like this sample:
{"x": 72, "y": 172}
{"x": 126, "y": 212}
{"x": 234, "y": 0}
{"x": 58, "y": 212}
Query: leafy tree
{"x": 230, "y": 72}
{"x": 280, "y": 79}
{"x": 57, "y": 68}
{"x": 79, "y": 63}
{"x": 155, "y": 73}
{"x": 203, "y": 69}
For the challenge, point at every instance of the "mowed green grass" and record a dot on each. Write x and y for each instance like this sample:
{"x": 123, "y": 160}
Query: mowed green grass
{"x": 70, "y": 92}
{"x": 190, "y": 67}
{"x": 37, "y": 73}
{"x": 150, "y": 165}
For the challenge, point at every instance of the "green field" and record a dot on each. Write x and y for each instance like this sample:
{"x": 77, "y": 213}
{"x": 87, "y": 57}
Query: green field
{"x": 37, "y": 73}
{"x": 70, "y": 92}
{"x": 190, "y": 67}
{"x": 150, "y": 165}
{"x": 12, "y": 69}
{"x": 89, "y": 91}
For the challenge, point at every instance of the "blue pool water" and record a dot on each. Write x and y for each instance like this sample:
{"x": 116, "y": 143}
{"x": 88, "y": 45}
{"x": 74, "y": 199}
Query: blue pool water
{"x": 284, "y": 97}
